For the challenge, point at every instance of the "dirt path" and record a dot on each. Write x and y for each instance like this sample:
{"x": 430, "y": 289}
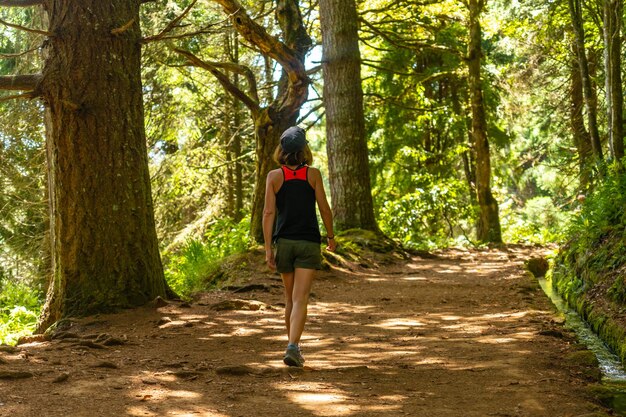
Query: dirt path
{"x": 465, "y": 334}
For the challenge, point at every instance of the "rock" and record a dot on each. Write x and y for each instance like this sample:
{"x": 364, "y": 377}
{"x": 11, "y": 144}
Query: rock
{"x": 61, "y": 378}
{"x": 538, "y": 266}
{"x": 159, "y": 302}
{"x": 164, "y": 320}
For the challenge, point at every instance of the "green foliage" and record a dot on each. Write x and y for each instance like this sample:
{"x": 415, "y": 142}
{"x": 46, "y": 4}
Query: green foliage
{"x": 188, "y": 269}
{"x": 538, "y": 221}
{"x": 20, "y": 305}
{"x": 427, "y": 217}
{"x": 595, "y": 253}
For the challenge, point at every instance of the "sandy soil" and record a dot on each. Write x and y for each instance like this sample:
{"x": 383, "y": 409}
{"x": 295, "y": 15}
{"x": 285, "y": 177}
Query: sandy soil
{"x": 461, "y": 334}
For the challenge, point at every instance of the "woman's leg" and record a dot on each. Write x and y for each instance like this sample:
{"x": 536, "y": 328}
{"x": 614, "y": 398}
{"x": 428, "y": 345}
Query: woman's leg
{"x": 288, "y": 284}
{"x": 301, "y": 288}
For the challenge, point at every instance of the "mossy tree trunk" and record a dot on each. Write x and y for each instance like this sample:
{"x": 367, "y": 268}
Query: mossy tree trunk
{"x": 488, "y": 227}
{"x": 575, "y": 8}
{"x": 582, "y": 140}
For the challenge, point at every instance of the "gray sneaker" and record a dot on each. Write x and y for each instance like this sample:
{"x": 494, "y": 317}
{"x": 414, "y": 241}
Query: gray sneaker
{"x": 293, "y": 357}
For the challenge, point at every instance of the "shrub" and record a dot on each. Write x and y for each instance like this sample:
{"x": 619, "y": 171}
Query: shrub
{"x": 187, "y": 270}
{"x": 20, "y": 305}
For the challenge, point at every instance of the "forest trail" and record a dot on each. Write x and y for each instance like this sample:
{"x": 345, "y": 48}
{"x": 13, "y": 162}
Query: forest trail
{"x": 466, "y": 333}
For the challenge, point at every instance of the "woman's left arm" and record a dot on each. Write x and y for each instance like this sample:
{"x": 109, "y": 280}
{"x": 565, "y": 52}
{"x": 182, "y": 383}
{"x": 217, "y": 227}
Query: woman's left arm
{"x": 324, "y": 207}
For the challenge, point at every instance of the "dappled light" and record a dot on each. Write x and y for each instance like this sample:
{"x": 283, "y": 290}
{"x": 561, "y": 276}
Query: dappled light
{"x": 415, "y": 339}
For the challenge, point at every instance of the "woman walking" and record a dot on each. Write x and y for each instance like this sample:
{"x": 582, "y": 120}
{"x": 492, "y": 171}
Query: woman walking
{"x": 291, "y": 194}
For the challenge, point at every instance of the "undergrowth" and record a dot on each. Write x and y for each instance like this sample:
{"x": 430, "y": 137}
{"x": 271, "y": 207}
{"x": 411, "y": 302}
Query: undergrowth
{"x": 595, "y": 251}
{"x": 20, "y": 305}
{"x": 188, "y": 270}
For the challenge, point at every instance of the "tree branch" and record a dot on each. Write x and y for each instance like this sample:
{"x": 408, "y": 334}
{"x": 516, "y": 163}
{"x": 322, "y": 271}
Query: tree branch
{"x": 124, "y": 28}
{"x": 30, "y": 94}
{"x": 268, "y": 44}
{"x": 18, "y": 54}
{"x": 170, "y": 26}
{"x": 250, "y": 102}
{"x": 14, "y": 26}
{"x": 181, "y": 36}
{"x": 20, "y": 3}
{"x": 20, "y": 82}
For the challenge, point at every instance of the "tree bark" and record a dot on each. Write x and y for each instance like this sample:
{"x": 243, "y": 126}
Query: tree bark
{"x": 577, "y": 121}
{"x": 612, "y": 13}
{"x": 348, "y": 164}
{"x": 488, "y": 228}
{"x": 104, "y": 245}
{"x": 575, "y": 8}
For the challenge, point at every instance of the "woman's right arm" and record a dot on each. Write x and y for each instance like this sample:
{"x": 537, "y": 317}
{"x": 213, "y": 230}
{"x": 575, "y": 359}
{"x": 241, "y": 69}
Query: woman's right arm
{"x": 269, "y": 215}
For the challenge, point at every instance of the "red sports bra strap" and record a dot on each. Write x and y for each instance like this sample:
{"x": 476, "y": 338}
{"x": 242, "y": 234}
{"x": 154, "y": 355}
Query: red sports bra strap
{"x": 297, "y": 174}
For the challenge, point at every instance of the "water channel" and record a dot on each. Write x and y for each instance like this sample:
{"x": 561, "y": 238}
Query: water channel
{"x": 613, "y": 373}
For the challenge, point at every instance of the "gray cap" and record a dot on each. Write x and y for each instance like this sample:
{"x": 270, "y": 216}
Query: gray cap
{"x": 293, "y": 139}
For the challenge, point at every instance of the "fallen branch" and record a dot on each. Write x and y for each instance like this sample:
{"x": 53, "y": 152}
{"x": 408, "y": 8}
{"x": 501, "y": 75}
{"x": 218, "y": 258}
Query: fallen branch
{"x": 24, "y": 28}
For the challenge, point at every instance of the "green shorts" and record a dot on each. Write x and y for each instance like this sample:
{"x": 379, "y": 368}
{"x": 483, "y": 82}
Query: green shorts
{"x": 291, "y": 254}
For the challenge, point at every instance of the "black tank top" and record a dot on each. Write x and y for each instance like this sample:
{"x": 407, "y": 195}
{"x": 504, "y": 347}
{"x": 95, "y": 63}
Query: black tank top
{"x": 295, "y": 203}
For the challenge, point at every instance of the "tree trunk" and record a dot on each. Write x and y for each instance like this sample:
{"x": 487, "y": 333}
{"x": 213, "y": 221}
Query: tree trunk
{"x": 104, "y": 246}
{"x": 612, "y": 12}
{"x": 488, "y": 228}
{"x": 292, "y": 90}
{"x": 348, "y": 163}
{"x": 575, "y": 8}
{"x": 577, "y": 120}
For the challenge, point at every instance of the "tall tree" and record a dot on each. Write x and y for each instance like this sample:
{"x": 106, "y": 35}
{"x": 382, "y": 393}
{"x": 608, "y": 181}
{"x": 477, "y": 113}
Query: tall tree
{"x": 104, "y": 245}
{"x": 576, "y": 15}
{"x": 348, "y": 165}
{"x": 612, "y": 29}
{"x": 283, "y": 110}
{"x": 488, "y": 228}
{"x": 581, "y": 136}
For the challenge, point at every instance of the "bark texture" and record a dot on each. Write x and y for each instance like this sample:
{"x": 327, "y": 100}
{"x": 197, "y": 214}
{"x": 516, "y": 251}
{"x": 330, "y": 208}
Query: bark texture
{"x": 579, "y": 131}
{"x": 613, "y": 15}
{"x": 104, "y": 245}
{"x": 575, "y": 8}
{"x": 488, "y": 227}
{"x": 348, "y": 164}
